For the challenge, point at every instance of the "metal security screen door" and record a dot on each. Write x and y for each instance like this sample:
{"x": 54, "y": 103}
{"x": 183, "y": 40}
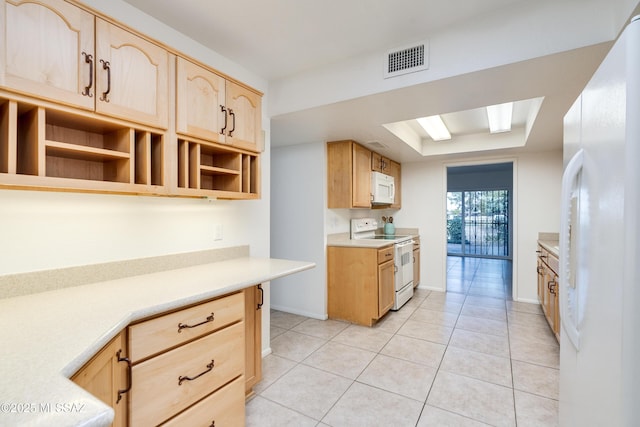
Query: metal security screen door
{"x": 478, "y": 223}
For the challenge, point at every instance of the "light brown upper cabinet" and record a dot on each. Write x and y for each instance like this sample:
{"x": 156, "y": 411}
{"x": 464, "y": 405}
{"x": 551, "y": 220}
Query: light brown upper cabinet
{"x": 349, "y": 174}
{"x": 44, "y": 49}
{"x": 48, "y": 51}
{"x": 394, "y": 169}
{"x": 131, "y": 76}
{"x": 216, "y": 109}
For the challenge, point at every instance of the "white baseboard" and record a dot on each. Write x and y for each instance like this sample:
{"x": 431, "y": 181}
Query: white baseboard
{"x": 300, "y": 312}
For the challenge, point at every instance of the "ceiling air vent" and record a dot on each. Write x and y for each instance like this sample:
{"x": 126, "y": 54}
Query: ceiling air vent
{"x": 376, "y": 145}
{"x": 407, "y": 59}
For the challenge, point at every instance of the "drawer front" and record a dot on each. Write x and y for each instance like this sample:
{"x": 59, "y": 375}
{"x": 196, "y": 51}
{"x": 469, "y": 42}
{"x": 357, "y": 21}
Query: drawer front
{"x": 385, "y": 254}
{"x": 223, "y": 408}
{"x": 159, "y": 387}
{"x": 549, "y": 259}
{"x": 553, "y": 263}
{"x": 157, "y": 335}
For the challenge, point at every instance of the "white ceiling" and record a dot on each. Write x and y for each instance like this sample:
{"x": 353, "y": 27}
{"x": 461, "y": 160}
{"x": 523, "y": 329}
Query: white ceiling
{"x": 284, "y": 40}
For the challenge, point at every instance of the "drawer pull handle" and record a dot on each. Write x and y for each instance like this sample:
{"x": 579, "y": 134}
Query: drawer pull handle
{"x": 261, "y": 303}
{"x": 185, "y": 378}
{"x": 182, "y": 326}
{"x": 233, "y": 116}
{"x": 128, "y": 362}
{"x": 213, "y": 424}
{"x": 105, "y": 94}
{"x": 87, "y": 89}
{"x": 224, "y": 110}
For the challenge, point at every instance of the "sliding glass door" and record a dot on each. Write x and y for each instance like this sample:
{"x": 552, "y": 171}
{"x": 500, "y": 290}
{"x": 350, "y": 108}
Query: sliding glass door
{"x": 478, "y": 223}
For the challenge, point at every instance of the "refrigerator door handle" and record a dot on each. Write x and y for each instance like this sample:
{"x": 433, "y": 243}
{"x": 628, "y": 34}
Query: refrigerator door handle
{"x": 569, "y": 289}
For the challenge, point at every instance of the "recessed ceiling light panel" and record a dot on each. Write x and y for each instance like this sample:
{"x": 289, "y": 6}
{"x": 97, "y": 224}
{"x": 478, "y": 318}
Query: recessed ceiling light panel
{"x": 500, "y": 117}
{"x": 435, "y": 127}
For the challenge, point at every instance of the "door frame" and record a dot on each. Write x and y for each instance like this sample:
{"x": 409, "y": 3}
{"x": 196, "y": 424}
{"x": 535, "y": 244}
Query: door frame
{"x": 513, "y": 219}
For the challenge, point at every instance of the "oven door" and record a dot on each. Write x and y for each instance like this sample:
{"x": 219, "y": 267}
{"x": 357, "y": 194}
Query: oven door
{"x": 404, "y": 264}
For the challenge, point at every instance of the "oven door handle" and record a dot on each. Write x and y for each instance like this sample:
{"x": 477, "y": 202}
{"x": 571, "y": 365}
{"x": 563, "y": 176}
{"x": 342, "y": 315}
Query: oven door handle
{"x": 404, "y": 244}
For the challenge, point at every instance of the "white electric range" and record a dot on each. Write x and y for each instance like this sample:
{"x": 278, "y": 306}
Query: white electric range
{"x": 366, "y": 228}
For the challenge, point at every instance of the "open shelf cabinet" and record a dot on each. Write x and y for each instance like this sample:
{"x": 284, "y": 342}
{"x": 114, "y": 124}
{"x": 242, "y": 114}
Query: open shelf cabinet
{"x": 210, "y": 169}
{"x": 55, "y": 148}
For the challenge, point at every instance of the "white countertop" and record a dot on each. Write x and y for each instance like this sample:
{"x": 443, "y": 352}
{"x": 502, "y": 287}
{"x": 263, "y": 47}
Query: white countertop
{"x": 343, "y": 239}
{"x": 46, "y": 337}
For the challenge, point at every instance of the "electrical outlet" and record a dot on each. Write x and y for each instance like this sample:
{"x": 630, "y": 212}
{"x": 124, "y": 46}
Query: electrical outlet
{"x": 217, "y": 232}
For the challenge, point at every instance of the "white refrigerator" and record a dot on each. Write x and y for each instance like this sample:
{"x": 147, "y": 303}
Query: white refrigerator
{"x": 599, "y": 238}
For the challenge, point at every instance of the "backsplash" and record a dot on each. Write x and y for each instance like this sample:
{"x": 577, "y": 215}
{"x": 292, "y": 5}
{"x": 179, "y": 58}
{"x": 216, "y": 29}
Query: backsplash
{"x": 13, "y": 285}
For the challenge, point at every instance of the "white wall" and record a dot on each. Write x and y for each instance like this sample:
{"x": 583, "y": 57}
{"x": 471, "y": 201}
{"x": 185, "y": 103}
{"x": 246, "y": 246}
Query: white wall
{"x": 298, "y": 199}
{"x": 509, "y": 35}
{"x": 300, "y": 223}
{"x": 537, "y": 180}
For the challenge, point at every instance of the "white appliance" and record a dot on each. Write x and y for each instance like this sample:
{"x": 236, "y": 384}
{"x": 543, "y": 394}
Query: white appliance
{"x": 599, "y": 256}
{"x": 365, "y": 228}
{"x": 383, "y": 189}
{"x": 403, "y": 260}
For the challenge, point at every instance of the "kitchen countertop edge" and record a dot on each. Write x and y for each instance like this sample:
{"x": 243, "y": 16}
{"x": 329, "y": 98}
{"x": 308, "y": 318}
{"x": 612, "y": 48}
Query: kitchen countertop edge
{"x": 343, "y": 240}
{"x": 56, "y": 332}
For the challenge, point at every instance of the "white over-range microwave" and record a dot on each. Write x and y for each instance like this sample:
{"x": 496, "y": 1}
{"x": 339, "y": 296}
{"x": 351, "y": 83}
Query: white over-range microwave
{"x": 383, "y": 189}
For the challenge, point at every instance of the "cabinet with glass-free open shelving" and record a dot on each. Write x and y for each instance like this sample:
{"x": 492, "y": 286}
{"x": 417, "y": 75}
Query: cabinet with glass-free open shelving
{"x": 48, "y": 148}
{"x": 217, "y": 170}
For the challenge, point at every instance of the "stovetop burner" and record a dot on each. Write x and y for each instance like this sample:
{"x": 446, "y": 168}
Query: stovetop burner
{"x": 389, "y": 237}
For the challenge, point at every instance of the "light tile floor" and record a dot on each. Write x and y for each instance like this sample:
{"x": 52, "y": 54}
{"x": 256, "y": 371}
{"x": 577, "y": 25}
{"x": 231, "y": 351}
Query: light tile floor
{"x": 467, "y": 357}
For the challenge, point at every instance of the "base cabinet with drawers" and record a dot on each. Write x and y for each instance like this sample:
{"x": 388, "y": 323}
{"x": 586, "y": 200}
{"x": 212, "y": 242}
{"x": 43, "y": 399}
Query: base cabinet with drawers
{"x": 193, "y": 366}
{"x": 548, "y": 286}
{"x": 360, "y": 283}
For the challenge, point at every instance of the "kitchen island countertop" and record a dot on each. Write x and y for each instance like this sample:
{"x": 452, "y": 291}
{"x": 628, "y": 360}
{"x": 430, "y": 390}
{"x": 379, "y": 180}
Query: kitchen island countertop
{"x": 47, "y": 337}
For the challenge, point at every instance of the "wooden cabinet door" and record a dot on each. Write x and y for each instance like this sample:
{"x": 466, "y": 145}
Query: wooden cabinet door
{"x": 416, "y": 267}
{"x": 253, "y": 301}
{"x": 244, "y": 117}
{"x": 541, "y": 282}
{"x": 361, "y": 192}
{"x": 105, "y": 377}
{"x": 199, "y": 95}
{"x": 393, "y": 169}
{"x": 131, "y": 76}
{"x": 43, "y": 50}
{"x": 386, "y": 288}
{"x": 554, "y": 306}
{"x": 376, "y": 162}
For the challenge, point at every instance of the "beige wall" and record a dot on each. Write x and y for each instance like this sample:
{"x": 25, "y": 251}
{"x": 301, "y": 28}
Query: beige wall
{"x": 537, "y": 180}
